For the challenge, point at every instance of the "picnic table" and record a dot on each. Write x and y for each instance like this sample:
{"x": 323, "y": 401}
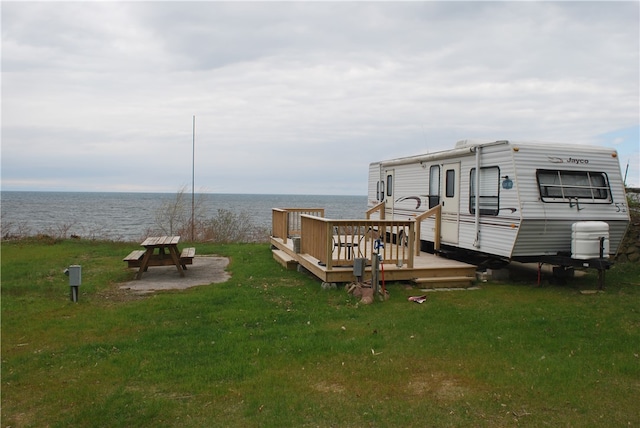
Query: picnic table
{"x": 160, "y": 251}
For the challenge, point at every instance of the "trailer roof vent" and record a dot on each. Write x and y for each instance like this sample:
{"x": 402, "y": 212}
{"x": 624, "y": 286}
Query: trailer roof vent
{"x": 471, "y": 143}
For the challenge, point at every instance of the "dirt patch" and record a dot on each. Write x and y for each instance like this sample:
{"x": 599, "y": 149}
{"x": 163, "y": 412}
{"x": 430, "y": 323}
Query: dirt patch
{"x": 328, "y": 387}
{"x": 439, "y": 386}
{"x": 205, "y": 270}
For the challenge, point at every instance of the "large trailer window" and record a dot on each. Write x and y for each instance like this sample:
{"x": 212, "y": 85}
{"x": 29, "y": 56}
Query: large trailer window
{"x": 434, "y": 185}
{"x": 568, "y": 186}
{"x": 489, "y": 193}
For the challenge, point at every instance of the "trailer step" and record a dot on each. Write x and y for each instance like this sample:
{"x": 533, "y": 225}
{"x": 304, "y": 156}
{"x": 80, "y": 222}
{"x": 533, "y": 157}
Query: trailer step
{"x": 447, "y": 281}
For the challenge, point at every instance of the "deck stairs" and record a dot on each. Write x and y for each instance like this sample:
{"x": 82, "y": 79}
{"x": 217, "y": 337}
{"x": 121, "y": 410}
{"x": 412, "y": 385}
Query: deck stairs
{"x": 286, "y": 260}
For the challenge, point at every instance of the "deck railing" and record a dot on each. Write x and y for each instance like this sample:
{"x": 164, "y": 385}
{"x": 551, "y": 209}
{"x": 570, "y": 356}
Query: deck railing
{"x": 379, "y": 209}
{"x": 437, "y": 212}
{"x": 338, "y": 242}
{"x": 285, "y": 222}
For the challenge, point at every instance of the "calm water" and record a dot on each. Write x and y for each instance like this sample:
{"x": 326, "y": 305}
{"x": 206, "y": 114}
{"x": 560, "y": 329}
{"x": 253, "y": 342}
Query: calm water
{"x": 127, "y": 216}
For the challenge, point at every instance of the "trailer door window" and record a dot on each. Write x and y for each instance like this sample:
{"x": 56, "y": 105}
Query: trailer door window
{"x": 566, "y": 186}
{"x": 450, "y": 183}
{"x": 434, "y": 186}
{"x": 489, "y": 193}
{"x": 389, "y": 185}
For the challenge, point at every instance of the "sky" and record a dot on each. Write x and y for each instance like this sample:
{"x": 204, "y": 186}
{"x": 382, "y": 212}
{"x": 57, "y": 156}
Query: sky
{"x": 299, "y": 97}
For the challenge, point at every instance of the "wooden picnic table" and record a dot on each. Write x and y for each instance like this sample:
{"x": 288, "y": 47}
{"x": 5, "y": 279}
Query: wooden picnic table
{"x": 163, "y": 245}
{"x": 167, "y": 255}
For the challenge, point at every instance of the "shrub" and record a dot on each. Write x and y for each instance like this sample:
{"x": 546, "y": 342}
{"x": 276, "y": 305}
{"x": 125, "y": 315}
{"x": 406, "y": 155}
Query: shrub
{"x": 174, "y": 218}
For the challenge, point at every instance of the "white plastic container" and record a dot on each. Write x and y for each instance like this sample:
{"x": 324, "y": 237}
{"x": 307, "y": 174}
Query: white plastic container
{"x": 585, "y": 239}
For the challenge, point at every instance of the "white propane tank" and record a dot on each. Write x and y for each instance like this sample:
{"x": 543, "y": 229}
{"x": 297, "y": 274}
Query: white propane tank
{"x": 585, "y": 239}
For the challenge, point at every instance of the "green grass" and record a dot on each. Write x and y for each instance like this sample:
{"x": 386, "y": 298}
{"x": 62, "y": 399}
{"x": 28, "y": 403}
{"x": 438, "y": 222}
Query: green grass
{"x": 269, "y": 348}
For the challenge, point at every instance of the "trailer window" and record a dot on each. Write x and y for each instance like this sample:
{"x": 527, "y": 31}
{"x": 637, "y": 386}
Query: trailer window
{"x": 565, "y": 186}
{"x": 450, "y": 183}
{"x": 389, "y": 185}
{"x": 434, "y": 186}
{"x": 489, "y": 193}
{"x": 380, "y": 191}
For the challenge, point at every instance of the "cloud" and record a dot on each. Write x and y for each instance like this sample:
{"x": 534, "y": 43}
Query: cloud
{"x": 627, "y": 143}
{"x": 298, "y": 97}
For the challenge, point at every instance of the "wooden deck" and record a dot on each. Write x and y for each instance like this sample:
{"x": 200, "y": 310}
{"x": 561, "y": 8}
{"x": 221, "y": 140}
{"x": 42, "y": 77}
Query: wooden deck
{"x": 329, "y": 247}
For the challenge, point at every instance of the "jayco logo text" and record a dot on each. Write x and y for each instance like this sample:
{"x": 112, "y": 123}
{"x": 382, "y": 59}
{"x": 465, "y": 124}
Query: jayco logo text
{"x": 569, "y": 160}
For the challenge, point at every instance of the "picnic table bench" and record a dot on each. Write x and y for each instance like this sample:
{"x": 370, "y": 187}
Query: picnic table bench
{"x": 166, "y": 255}
{"x": 135, "y": 258}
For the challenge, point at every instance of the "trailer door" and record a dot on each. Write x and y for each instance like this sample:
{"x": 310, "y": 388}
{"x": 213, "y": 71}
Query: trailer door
{"x": 388, "y": 193}
{"x": 450, "y": 202}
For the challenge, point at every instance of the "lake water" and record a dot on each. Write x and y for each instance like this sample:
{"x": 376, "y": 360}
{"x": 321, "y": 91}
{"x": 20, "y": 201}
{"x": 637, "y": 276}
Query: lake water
{"x": 128, "y": 216}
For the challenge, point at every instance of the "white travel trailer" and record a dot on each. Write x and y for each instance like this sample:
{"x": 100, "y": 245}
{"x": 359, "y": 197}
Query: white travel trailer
{"x": 537, "y": 202}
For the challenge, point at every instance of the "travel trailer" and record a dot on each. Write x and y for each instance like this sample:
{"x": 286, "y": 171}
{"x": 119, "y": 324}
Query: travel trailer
{"x": 502, "y": 201}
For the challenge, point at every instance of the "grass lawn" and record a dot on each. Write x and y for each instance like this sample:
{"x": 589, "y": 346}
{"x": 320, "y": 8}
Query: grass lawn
{"x": 270, "y": 348}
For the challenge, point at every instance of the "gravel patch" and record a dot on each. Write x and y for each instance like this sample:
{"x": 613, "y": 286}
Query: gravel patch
{"x": 205, "y": 270}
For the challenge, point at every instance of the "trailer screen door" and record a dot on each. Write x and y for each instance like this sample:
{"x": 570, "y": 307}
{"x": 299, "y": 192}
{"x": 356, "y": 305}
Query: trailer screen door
{"x": 450, "y": 202}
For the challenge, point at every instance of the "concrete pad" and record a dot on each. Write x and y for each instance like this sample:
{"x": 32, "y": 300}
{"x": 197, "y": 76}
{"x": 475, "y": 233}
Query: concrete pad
{"x": 205, "y": 270}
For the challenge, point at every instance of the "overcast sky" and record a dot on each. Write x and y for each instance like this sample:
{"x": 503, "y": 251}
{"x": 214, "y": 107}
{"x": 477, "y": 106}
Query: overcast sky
{"x": 299, "y": 97}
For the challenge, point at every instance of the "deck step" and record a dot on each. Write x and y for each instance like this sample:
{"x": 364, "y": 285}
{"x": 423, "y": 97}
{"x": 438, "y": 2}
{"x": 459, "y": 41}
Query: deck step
{"x": 285, "y": 260}
{"x": 445, "y": 281}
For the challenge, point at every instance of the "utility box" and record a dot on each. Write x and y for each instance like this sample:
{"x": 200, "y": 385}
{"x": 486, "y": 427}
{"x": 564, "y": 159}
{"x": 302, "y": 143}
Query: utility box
{"x": 74, "y": 272}
{"x": 296, "y": 244}
{"x": 75, "y": 275}
{"x": 359, "y": 267}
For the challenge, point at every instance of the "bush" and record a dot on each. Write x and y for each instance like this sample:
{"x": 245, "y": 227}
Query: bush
{"x": 229, "y": 227}
{"x": 174, "y": 218}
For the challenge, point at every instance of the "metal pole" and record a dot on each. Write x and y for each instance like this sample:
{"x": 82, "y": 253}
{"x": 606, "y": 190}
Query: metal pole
{"x": 375, "y": 266}
{"x": 625, "y": 174}
{"x": 375, "y": 269}
{"x": 193, "y": 178}
{"x": 600, "y": 270}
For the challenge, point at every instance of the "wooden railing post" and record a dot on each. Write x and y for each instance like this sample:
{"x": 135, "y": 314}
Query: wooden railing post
{"x": 329, "y": 244}
{"x": 412, "y": 248}
{"x": 285, "y": 226}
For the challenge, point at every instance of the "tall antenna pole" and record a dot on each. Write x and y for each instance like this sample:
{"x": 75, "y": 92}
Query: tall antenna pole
{"x": 625, "y": 174}
{"x": 193, "y": 178}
